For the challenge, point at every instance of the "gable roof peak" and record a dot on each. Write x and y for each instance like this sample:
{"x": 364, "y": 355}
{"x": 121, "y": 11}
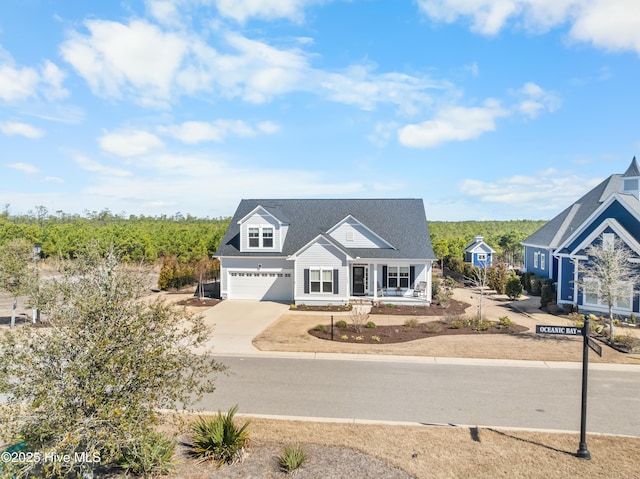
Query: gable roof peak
{"x": 633, "y": 169}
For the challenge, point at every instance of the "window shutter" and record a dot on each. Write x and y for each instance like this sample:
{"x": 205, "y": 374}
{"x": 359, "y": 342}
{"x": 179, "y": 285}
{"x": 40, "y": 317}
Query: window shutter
{"x": 412, "y": 276}
{"x": 384, "y": 276}
{"x": 336, "y": 289}
{"x": 306, "y": 281}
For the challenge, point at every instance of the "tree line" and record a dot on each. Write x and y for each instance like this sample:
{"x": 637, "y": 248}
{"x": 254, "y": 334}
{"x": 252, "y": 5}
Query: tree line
{"x": 450, "y": 238}
{"x": 136, "y": 238}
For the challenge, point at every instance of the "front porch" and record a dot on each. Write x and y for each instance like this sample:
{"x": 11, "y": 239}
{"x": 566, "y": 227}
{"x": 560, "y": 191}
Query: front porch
{"x": 406, "y": 298}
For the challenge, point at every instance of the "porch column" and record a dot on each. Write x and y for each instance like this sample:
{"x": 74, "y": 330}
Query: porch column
{"x": 428, "y": 270}
{"x": 375, "y": 281}
{"x": 575, "y": 282}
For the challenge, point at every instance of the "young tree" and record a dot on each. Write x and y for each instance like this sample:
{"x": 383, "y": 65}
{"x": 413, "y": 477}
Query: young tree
{"x": 17, "y": 271}
{"x": 479, "y": 278}
{"x": 93, "y": 382}
{"x": 497, "y": 277}
{"x": 609, "y": 273}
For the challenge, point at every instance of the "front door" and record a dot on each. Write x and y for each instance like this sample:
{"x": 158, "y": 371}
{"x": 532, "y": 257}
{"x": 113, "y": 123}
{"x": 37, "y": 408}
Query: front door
{"x": 358, "y": 281}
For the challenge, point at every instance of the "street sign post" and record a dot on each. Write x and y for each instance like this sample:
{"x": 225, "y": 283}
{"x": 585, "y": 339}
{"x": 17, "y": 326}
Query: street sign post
{"x": 565, "y": 330}
{"x": 587, "y": 343}
{"x": 594, "y": 346}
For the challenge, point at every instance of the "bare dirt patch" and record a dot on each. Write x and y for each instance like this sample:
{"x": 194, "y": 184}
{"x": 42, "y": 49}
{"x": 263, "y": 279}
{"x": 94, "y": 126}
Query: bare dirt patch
{"x": 374, "y": 451}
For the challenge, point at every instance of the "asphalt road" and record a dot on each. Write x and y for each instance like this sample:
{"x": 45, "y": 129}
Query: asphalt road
{"x": 479, "y": 395}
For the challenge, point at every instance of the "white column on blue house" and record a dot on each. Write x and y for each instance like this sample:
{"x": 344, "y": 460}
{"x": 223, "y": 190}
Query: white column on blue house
{"x": 575, "y": 282}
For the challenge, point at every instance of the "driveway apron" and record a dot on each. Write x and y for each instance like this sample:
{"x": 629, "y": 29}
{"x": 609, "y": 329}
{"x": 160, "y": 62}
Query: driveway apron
{"x": 236, "y": 323}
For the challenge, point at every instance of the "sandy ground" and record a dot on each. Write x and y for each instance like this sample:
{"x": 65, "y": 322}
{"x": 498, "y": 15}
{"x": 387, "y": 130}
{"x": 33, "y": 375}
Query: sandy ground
{"x": 289, "y": 333}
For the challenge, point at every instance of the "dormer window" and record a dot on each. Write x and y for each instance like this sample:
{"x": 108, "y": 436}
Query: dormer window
{"x": 267, "y": 237}
{"x": 631, "y": 184}
{"x": 254, "y": 237}
{"x": 260, "y": 236}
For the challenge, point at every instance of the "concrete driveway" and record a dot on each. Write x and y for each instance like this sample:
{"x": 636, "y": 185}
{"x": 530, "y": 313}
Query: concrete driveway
{"x": 236, "y": 323}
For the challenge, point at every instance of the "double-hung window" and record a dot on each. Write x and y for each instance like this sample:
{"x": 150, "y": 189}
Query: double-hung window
{"x": 254, "y": 237}
{"x": 267, "y": 237}
{"x": 398, "y": 276}
{"x": 260, "y": 237}
{"x": 320, "y": 280}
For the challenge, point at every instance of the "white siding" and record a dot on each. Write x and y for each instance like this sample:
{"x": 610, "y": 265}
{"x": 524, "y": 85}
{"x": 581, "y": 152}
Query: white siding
{"x": 260, "y": 218}
{"x": 352, "y": 234}
{"x": 322, "y": 254}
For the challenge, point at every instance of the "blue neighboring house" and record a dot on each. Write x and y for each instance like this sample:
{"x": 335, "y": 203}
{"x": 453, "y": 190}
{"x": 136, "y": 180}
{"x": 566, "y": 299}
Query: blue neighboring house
{"x": 479, "y": 253}
{"x": 611, "y": 209}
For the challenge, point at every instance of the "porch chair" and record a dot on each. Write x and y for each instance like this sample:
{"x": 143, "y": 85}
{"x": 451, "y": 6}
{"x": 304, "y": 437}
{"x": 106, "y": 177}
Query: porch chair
{"x": 380, "y": 290}
{"x": 420, "y": 289}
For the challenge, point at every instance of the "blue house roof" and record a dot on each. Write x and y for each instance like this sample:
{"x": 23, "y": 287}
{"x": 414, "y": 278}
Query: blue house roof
{"x": 557, "y": 230}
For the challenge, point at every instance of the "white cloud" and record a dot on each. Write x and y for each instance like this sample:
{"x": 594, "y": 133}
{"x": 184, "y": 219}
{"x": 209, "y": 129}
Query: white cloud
{"x": 360, "y": 86}
{"x": 453, "y": 124}
{"x": 154, "y": 67}
{"x": 193, "y": 132}
{"x": 129, "y": 143}
{"x": 241, "y": 10}
{"x": 53, "y": 179}
{"x": 536, "y": 100}
{"x": 17, "y": 83}
{"x": 53, "y": 77}
{"x": 92, "y": 166}
{"x": 269, "y": 127}
{"x": 24, "y": 167}
{"x": 608, "y": 24}
{"x": 165, "y": 180}
{"x": 383, "y": 132}
{"x": 548, "y": 190}
{"x": 20, "y": 83}
{"x": 115, "y": 58}
{"x": 23, "y": 129}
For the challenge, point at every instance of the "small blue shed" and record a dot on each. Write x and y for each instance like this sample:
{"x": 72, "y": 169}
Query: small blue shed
{"x": 479, "y": 253}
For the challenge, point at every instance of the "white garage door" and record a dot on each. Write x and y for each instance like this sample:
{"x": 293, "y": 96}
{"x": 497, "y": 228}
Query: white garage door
{"x": 261, "y": 285}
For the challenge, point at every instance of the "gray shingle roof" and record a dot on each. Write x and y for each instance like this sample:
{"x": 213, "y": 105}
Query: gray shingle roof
{"x": 401, "y": 222}
{"x": 558, "y": 229}
{"x": 633, "y": 169}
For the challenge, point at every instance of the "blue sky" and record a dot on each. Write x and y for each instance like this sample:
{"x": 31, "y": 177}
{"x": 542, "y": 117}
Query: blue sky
{"x": 486, "y": 109}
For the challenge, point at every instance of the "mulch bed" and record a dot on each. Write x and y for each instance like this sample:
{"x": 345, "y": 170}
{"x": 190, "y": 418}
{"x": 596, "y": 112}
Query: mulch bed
{"x": 454, "y": 308}
{"x": 402, "y": 334}
{"x": 195, "y": 301}
{"x": 328, "y": 309}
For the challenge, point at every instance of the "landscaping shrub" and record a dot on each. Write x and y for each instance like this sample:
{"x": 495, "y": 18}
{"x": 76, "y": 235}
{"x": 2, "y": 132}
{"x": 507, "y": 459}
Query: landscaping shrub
{"x": 505, "y": 322}
{"x": 149, "y": 457}
{"x": 626, "y": 341}
{"x": 457, "y": 324}
{"x": 432, "y": 327}
{"x": 292, "y": 458}
{"x": 321, "y": 327}
{"x": 513, "y": 288}
{"x": 218, "y": 438}
{"x": 411, "y": 323}
{"x": 341, "y": 324}
{"x": 371, "y": 325}
{"x": 547, "y": 293}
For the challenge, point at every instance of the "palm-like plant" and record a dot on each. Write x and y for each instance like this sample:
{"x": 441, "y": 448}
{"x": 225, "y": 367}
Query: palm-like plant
{"x": 218, "y": 437}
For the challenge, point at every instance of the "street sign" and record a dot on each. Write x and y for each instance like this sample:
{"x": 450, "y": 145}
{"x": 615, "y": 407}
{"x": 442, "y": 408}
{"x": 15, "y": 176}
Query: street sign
{"x": 595, "y": 346}
{"x": 566, "y": 330}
